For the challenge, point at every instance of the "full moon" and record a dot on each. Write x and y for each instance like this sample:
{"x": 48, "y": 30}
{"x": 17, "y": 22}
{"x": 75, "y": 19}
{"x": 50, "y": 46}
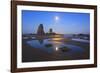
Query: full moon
{"x": 56, "y": 18}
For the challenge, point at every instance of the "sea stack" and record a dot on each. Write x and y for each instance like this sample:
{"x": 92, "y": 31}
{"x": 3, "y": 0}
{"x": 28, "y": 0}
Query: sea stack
{"x": 40, "y": 30}
{"x": 50, "y": 31}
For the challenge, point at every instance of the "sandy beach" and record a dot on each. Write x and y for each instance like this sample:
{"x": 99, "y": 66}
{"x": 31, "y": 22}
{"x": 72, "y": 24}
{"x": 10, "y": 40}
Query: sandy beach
{"x": 32, "y": 54}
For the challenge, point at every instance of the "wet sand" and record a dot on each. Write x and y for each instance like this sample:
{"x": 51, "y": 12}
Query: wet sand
{"x": 31, "y": 54}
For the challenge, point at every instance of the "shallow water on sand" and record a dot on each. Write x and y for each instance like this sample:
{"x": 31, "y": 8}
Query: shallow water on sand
{"x": 40, "y": 44}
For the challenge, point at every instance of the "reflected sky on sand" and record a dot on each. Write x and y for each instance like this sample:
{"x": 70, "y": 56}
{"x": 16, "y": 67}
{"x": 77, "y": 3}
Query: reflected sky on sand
{"x": 53, "y": 45}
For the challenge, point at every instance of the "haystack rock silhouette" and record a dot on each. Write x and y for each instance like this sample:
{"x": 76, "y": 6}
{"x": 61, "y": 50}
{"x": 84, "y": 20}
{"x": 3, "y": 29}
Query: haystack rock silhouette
{"x": 40, "y": 30}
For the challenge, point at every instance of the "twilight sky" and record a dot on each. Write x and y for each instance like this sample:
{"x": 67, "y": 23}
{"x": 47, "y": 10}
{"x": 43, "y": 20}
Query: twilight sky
{"x": 60, "y": 22}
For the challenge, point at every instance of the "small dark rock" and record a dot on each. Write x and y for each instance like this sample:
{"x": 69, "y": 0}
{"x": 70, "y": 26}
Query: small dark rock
{"x": 64, "y": 49}
{"x": 48, "y": 45}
